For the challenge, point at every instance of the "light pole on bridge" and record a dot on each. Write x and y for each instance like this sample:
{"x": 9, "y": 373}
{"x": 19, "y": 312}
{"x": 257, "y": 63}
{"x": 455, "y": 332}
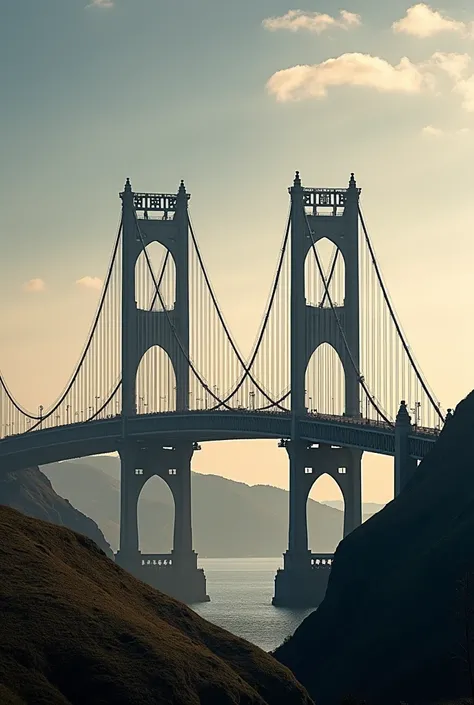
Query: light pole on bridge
{"x": 416, "y": 412}
{"x": 252, "y": 400}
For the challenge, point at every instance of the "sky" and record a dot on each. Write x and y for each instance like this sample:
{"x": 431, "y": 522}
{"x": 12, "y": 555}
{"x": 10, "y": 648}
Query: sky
{"x": 233, "y": 98}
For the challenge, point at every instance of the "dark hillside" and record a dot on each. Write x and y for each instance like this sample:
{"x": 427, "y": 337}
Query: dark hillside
{"x": 31, "y": 492}
{"x": 76, "y": 629}
{"x": 391, "y": 626}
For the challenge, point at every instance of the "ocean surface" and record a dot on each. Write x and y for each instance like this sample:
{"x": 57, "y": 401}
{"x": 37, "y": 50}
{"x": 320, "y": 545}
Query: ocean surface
{"x": 241, "y": 591}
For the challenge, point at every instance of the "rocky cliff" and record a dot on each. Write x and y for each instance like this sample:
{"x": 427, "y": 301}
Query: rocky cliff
{"x": 78, "y": 629}
{"x": 31, "y": 492}
{"x": 397, "y": 621}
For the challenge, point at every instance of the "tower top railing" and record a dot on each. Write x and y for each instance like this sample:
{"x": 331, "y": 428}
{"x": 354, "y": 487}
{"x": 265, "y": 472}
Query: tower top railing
{"x": 316, "y": 198}
{"x": 320, "y": 189}
{"x": 163, "y": 202}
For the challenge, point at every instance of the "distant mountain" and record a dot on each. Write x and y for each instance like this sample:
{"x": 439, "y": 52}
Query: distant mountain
{"x": 230, "y": 519}
{"x": 368, "y": 508}
{"x": 30, "y": 491}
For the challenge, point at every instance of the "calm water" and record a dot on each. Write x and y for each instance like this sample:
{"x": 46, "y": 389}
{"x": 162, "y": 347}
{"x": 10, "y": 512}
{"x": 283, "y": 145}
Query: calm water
{"x": 241, "y": 591}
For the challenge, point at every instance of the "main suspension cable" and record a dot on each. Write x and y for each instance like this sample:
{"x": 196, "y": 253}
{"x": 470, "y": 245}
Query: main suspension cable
{"x": 331, "y": 274}
{"x": 247, "y": 369}
{"x": 360, "y": 377}
{"x": 395, "y": 320}
{"x": 170, "y": 322}
{"x": 93, "y": 329}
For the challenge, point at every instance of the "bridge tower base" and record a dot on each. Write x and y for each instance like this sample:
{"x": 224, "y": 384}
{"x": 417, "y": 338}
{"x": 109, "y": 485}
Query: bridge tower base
{"x": 176, "y": 573}
{"x": 303, "y": 580}
{"x": 177, "y": 576}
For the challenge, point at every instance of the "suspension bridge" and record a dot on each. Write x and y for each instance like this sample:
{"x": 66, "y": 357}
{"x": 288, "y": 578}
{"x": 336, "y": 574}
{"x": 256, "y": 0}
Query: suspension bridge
{"x": 161, "y": 372}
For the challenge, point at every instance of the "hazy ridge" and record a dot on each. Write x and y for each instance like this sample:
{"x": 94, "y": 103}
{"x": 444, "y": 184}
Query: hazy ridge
{"x": 230, "y": 519}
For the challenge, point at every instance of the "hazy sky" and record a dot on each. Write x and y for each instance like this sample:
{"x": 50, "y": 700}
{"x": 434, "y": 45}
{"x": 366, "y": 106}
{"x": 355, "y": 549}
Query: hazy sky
{"x": 233, "y": 97}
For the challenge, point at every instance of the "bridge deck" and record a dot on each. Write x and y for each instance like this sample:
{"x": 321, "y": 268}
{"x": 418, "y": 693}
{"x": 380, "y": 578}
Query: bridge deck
{"x": 75, "y": 440}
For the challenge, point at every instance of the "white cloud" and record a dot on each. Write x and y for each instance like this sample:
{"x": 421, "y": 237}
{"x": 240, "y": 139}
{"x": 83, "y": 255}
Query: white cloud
{"x": 34, "y": 286}
{"x": 90, "y": 282}
{"x": 423, "y": 21}
{"x": 300, "y": 82}
{"x": 363, "y": 70}
{"x": 317, "y": 22}
{"x": 430, "y": 131}
{"x": 455, "y": 65}
{"x": 104, "y": 4}
{"x": 465, "y": 88}
{"x": 436, "y": 132}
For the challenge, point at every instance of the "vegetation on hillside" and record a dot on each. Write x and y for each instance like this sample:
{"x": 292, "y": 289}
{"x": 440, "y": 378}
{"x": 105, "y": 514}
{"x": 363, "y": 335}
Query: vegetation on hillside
{"x": 78, "y": 629}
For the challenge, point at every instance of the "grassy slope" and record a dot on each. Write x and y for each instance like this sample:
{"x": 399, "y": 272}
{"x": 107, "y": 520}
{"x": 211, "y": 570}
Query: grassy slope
{"x": 31, "y": 492}
{"x": 77, "y": 629}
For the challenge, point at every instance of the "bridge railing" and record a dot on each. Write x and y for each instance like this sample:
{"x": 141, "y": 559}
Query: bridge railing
{"x": 310, "y": 415}
{"x": 156, "y": 560}
{"x": 321, "y": 561}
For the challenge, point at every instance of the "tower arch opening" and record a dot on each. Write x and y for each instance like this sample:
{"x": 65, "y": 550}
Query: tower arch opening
{"x": 156, "y": 382}
{"x": 164, "y": 273}
{"x": 325, "y": 515}
{"x": 333, "y": 266}
{"x": 156, "y": 517}
{"x": 325, "y": 382}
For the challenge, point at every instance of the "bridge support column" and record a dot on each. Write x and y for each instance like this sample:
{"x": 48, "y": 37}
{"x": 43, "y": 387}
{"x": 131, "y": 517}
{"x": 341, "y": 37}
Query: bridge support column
{"x": 303, "y": 580}
{"x": 298, "y": 523}
{"x": 182, "y": 540}
{"x": 188, "y": 582}
{"x": 176, "y": 573}
{"x": 185, "y": 580}
{"x": 405, "y": 466}
{"x": 351, "y": 485}
{"x": 128, "y": 554}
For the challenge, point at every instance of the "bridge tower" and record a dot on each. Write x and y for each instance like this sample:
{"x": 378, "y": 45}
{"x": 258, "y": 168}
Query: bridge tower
{"x": 176, "y": 573}
{"x": 316, "y": 214}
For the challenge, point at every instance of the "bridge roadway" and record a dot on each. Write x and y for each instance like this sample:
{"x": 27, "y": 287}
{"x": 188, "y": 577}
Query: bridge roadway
{"x": 82, "y": 439}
